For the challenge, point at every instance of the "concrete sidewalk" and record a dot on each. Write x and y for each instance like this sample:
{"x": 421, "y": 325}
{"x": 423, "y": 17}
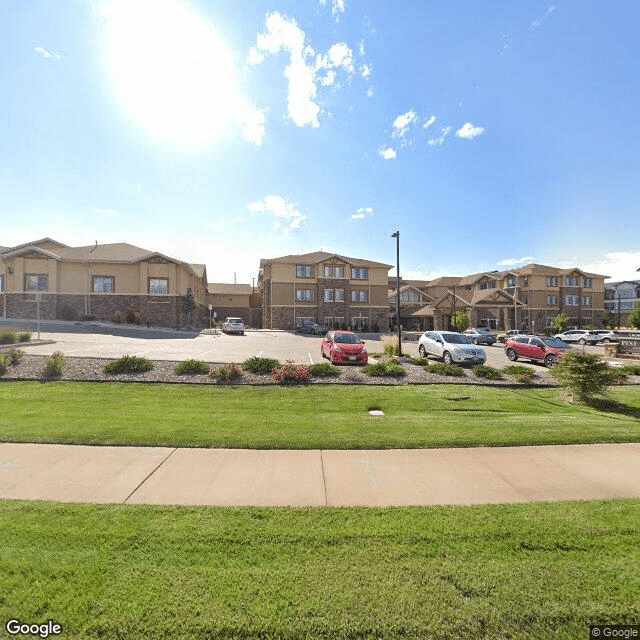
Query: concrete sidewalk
{"x": 234, "y": 477}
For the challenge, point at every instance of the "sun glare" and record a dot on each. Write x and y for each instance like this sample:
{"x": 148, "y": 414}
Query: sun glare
{"x": 170, "y": 70}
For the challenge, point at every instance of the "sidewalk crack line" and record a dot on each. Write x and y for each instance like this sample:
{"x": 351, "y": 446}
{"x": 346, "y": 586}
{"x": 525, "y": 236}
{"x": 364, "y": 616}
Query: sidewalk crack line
{"x": 324, "y": 480}
{"x": 148, "y": 476}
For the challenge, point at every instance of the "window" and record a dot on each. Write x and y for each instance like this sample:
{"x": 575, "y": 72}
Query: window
{"x": 488, "y": 285}
{"x": 360, "y": 274}
{"x": 339, "y": 295}
{"x": 552, "y": 281}
{"x": 359, "y": 296}
{"x": 409, "y": 296}
{"x": 333, "y": 272}
{"x": 571, "y": 282}
{"x": 586, "y": 300}
{"x": 304, "y": 295}
{"x": 327, "y": 321}
{"x": 586, "y": 283}
{"x": 552, "y": 299}
{"x": 304, "y": 271}
{"x": 358, "y": 323}
{"x": 102, "y": 284}
{"x": 571, "y": 301}
{"x": 511, "y": 281}
{"x": 301, "y": 320}
{"x": 328, "y": 295}
{"x": 36, "y": 283}
{"x": 525, "y": 281}
{"x": 158, "y": 286}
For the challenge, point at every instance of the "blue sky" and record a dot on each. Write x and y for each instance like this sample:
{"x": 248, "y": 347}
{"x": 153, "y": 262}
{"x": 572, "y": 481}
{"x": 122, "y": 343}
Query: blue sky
{"x": 491, "y": 134}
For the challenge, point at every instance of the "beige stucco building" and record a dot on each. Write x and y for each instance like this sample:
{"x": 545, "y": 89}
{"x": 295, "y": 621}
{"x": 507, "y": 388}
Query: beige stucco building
{"x": 113, "y": 282}
{"x": 235, "y": 300}
{"x": 325, "y": 287}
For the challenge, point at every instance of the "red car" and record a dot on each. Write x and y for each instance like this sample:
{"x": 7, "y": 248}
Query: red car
{"x": 344, "y": 347}
{"x": 540, "y": 349}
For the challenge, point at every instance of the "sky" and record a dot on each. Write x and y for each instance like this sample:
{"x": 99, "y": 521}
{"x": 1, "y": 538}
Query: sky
{"x": 489, "y": 134}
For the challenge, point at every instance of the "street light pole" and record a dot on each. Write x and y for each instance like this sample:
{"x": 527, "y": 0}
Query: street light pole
{"x": 210, "y": 308}
{"x": 396, "y": 235}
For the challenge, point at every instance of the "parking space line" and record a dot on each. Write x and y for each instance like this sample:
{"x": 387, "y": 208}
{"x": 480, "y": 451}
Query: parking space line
{"x": 260, "y": 354}
{"x": 85, "y": 349}
{"x": 204, "y": 353}
{"x": 310, "y": 358}
{"x": 150, "y": 350}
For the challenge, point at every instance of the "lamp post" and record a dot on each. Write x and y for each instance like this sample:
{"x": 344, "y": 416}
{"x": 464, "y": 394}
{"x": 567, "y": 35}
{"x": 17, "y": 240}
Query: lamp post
{"x": 210, "y": 309}
{"x": 396, "y": 235}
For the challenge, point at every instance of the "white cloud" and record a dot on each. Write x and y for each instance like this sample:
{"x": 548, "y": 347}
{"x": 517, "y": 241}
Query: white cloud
{"x": 340, "y": 55}
{"x": 436, "y": 142}
{"x": 362, "y": 212}
{"x": 402, "y": 123}
{"x": 618, "y": 265}
{"x": 361, "y": 48}
{"x": 365, "y": 70}
{"x": 370, "y": 92}
{"x": 49, "y": 55}
{"x": 337, "y": 8}
{"x": 252, "y": 122}
{"x": 509, "y": 262}
{"x": 469, "y": 132}
{"x": 285, "y": 214}
{"x": 429, "y": 122}
{"x": 537, "y": 23}
{"x": 388, "y": 153}
{"x": 106, "y": 213}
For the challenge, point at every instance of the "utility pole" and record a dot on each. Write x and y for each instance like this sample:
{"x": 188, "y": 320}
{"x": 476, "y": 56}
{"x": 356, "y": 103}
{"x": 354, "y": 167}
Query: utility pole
{"x": 396, "y": 235}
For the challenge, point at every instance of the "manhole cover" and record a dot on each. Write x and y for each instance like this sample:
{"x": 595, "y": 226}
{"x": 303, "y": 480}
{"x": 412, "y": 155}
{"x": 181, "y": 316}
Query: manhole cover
{"x": 376, "y": 412}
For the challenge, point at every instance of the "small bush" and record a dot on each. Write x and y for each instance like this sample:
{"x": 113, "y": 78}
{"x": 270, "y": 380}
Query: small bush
{"x": 129, "y": 364}
{"x": 583, "y": 375}
{"x": 516, "y": 369}
{"x": 117, "y": 317}
{"x": 421, "y": 361}
{"x": 631, "y": 369}
{"x": 445, "y": 369}
{"x": 15, "y": 355}
{"x": 291, "y": 373}
{"x": 227, "y": 372}
{"x": 523, "y": 378}
{"x": 67, "y": 313}
{"x": 56, "y": 365}
{"x": 24, "y": 337}
{"x": 386, "y": 368}
{"x": 5, "y": 362}
{"x": 8, "y": 335}
{"x": 261, "y": 365}
{"x": 324, "y": 369}
{"x": 389, "y": 345}
{"x": 192, "y": 367}
{"x": 483, "y": 371}
{"x": 131, "y": 316}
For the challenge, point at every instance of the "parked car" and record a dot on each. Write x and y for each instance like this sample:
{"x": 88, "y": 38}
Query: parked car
{"x": 344, "y": 347}
{"x": 312, "y": 327}
{"x": 581, "y": 336}
{"x": 480, "y": 336}
{"x": 510, "y": 334}
{"x": 536, "y": 348}
{"x": 606, "y": 335}
{"x": 233, "y": 325}
{"x": 451, "y": 347}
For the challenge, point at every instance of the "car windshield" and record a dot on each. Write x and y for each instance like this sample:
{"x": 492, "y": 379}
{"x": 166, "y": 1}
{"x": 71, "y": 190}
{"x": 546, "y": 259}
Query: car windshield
{"x": 555, "y": 342}
{"x": 347, "y": 338}
{"x": 456, "y": 338}
{"x": 235, "y": 320}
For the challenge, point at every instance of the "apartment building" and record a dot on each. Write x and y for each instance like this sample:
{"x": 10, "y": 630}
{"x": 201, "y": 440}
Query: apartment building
{"x": 235, "y": 301}
{"x": 620, "y": 299}
{"x": 324, "y": 287}
{"x": 529, "y": 297}
{"x": 112, "y": 282}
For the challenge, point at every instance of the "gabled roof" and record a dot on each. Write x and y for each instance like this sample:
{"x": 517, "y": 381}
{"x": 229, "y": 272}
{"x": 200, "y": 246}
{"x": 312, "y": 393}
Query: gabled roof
{"x": 322, "y": 256}
{"x": 476, "y": 277}
{"x": 443, "y": 281}
{"x": 408, "y": 287}
{"x": 30, "y": 249}
{"x": 199, "y": 269}
{"x": 228, "y": 289}
{"x": 492, "y": 295}
{"x": 34, "y": 243}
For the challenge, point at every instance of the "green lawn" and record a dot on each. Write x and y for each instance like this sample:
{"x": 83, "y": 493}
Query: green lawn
{"x": 320, "y": 416}
{"x": 519, "y": 571}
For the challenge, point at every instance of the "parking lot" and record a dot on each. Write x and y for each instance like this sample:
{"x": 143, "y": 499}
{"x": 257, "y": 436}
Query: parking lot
{"x": 105, "y": 341}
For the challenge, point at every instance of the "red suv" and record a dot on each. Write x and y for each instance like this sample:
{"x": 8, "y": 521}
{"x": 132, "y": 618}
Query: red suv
{"x": 539, "y": 349}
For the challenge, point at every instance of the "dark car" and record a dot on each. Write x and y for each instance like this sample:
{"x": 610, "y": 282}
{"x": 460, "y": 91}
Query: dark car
{"x": 536, "y": 348}
{"x": 312, "y": 327}
{"x": 480, "y": 336}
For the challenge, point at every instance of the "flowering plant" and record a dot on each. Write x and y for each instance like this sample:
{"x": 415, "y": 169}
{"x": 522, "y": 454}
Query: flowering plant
{"x": 291, "y": 373}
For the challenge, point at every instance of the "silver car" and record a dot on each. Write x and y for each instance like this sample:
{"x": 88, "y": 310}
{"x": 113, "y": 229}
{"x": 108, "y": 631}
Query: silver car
{"x": 451, "y": 347}
{"x": 233, "y": 325}
{"x": 581, "y": 336}
{"x": 480, "y": 336}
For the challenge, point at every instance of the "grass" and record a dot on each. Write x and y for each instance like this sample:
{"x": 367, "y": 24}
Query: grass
{"x": 520, "y": 571}
{"x": 308, "y": 417}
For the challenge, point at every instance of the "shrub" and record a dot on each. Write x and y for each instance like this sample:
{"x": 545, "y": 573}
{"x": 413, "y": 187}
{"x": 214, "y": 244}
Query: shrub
{"x": 67, "y": 313}
{"x": 518, "y": 369}
{"x": 291, "y": 373}
{"x": 445, "y": 369}
{"x": 461, "y": 321}
{"x": 324, "y": 369}
{"x": 55, "y": 365}
{"x": 192, "y": 367}
{"x": 15, "y": 355}
{"x": 376, "y": 327}
{"x": 8, "y": 335}
{"x": 227, "y": 372}
{"x": 24, "y": 337}
{"x": 560, "y": 323}
{"x": 5, "y": 361}
{"x": 421, "y": 361}
{"x": 631, "y": 369}
{"x": 129, "y": 364}
{"x": 583, "y": 375}
{"x": 389, "y": 345}
{"x": 261, "y": 365}
{"x": 483, "y": 371}
{"x": 131, "y": 316}
{"x": 385, "y": 368}
{"x": 117, "y": 317}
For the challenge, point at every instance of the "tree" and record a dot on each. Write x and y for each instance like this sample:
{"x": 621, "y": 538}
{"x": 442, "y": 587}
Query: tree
{"x": 633, "y": 320}
{"x": 189, "y": 304}
{"x": 607, "y": 320}
{"x": 460, "y": 321}
{"x": 560, "y": 323}
{"x": 584, "y": 375}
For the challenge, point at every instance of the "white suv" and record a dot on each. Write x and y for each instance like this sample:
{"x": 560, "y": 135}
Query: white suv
{"x": 451, "y": 347}
{"x": 233, "y": 325}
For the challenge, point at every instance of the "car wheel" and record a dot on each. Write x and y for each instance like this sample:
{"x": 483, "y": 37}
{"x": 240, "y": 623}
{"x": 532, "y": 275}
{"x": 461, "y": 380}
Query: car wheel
{"x": 550, "y": 361}
{"x": 422, "y": 351}
{"x": 582, "y": 342}
{"x": 512, "y": 355}
{"x": 322, "y": 353}
{"x": 446, "y": 356}
{"x": 606, "y": 341}
{"x": 475, "y": 341}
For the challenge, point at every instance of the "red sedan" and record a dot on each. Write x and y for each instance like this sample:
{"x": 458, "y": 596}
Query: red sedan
{"x": 344, "y": 347}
